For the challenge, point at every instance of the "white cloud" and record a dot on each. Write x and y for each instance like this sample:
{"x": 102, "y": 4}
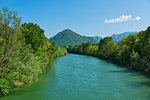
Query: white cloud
{"x": 122, "y": 18}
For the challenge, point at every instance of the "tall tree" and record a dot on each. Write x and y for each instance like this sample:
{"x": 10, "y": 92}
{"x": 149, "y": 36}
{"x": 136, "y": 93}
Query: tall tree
{"x": 34, "y": 35}
{"x": 9, "y": 34}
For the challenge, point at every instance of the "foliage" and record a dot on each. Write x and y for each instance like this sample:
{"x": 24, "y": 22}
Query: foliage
{"x": 4, "y": 86}
{"x": 86, "y": 49}
{"x": 34, "y": 35}
{"x": 132, "y": 51}
{"x": 24, "y": 51}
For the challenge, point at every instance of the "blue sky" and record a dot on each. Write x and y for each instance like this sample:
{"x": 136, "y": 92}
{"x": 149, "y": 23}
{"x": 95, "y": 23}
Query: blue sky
{"x": 86, "y": 17}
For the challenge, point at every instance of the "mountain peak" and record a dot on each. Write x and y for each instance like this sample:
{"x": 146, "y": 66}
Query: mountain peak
{"x": 69, "y": 37}
{"x": 67, "y": 30}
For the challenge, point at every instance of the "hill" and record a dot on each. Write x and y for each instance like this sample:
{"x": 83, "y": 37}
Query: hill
{"x": 68, "y": 37}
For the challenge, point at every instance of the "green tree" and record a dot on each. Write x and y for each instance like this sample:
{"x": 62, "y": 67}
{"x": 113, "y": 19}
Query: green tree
{"x": 34, "y": 35}
{"x": 10, "y": 39}
{"x": 10, "y": 36}
{"x": 104, "y": 41}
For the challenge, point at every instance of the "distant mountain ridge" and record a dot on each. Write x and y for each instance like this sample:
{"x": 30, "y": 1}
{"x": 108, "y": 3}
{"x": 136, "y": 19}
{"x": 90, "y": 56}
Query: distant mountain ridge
{"x": 118, "y": 37}
{"x": 68, "y": 37}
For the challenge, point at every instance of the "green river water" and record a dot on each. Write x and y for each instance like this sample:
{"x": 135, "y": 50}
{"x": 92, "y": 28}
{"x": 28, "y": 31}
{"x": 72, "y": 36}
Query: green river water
{"x": 78, "y": 77}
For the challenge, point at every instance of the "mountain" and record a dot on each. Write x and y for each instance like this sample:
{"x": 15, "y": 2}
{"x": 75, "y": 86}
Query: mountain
{"x": 118, "y": 37}
{"x": 68, "y": 37}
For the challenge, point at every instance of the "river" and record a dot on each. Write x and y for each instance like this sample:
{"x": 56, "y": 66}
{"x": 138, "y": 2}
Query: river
{"x": 78, "y": 77}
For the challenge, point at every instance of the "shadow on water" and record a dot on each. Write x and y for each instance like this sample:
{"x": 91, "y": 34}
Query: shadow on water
{"x": 135, "y": 73}
{"x": 131, "y": 72}
{"x": 123, "y": 71}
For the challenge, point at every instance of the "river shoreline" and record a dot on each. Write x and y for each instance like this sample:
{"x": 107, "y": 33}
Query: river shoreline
{"x": 18, "y": 87}
{"x": 80, "y": 77}
{"x": 126, "y": 66}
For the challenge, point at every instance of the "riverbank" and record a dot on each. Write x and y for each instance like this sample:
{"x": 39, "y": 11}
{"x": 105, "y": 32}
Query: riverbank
{"x": 24, "y": 51}
{"x": 81, "y": 77}
{"x": 114, "y": 62}
{"x": 20, "y": 85}
{"x": 132, "y": 51}
{"x": 117, "y": 64}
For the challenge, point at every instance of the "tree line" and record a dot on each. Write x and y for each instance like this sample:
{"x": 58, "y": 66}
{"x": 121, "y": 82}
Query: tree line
{"x": 132, "y": 51}
{"x": 24, "y": 51}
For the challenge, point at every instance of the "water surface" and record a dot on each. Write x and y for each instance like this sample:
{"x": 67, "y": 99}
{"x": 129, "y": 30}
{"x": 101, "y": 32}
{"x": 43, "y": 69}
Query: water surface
{"x": 78, "y": 77}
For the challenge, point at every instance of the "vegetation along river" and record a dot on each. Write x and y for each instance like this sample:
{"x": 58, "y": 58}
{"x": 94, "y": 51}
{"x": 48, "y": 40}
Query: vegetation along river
{"x": 78, "y": 77}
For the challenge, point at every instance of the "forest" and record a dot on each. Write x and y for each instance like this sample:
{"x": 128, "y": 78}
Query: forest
{"x": 132, "y": 51}
{"x": 24, "y": 51}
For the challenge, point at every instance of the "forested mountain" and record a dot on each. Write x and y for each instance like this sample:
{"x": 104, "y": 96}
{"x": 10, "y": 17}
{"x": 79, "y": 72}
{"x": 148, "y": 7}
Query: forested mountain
{"x": 118, "y": 37}
{"x": 68, "y": 37}
{"x": 132, "y": 51}
{"x": 24, "y": 51}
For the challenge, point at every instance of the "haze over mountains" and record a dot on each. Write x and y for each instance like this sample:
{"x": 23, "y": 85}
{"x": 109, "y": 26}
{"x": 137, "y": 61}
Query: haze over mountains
{"x": 68, "y": 37}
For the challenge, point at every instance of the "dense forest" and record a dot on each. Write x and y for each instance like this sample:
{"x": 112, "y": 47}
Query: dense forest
{"x": 24, "y": 51}
{"x": 132, "y": 51}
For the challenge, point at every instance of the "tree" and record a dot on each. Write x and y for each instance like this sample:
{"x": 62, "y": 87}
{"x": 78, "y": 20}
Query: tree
{"x": 9, "y": 34}
{"x": 10, "y": 39}
{"x": 104, "y": 41}
{"x": 34, "y": 35}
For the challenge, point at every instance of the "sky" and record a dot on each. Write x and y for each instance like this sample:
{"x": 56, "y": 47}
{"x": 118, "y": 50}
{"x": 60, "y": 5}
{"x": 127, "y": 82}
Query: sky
{"x": 85, "y": 17}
